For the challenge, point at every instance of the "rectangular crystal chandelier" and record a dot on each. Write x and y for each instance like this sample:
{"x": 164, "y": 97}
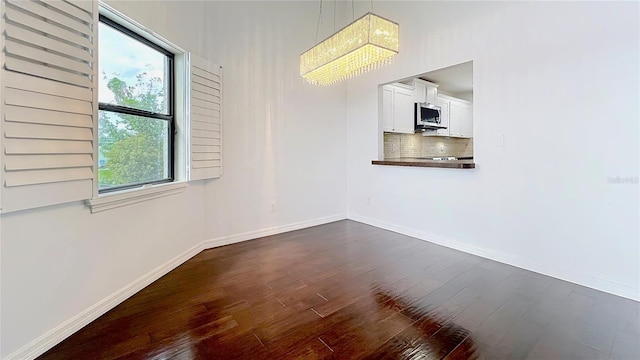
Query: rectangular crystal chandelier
{"x": 366, "y": 44}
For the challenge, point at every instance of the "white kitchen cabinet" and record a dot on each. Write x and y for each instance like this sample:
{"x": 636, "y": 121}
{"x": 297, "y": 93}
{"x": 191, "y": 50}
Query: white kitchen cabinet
{"x": 460, "y": 119}
{"x": 432, "y": 93}
{"x": 466, "y": 123}
{"x": 455, "y": 119}
{"x": 424, "y": 91}
{"x": 419, "y": 91}
{"x": 403, "y": 111}
{"x": 387, "y": 108}
{"x": 398, "y": 109}
{"x": 456, "y": 115}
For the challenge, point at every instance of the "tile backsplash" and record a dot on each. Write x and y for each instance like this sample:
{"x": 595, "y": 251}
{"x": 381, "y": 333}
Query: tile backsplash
{"x": 416, "y": 145}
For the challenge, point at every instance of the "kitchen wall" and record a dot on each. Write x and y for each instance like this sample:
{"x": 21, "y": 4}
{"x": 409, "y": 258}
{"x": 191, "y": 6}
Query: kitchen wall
{"x": 544, "y": 196}
{"x": 416, "y": 145}
{"x": 464, "y": 95}
{"x": 57, "y": 262}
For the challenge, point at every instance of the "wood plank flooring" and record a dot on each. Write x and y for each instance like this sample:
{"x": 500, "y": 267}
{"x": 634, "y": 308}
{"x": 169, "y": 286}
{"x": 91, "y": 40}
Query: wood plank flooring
{"x": 346, "y": 290}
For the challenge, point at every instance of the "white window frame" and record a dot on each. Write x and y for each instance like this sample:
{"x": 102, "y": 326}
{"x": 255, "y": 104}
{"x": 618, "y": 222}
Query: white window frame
{"x": 110, "y": 200}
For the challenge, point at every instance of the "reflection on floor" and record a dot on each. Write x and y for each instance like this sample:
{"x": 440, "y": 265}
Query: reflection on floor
{"x": 347, "y": 290}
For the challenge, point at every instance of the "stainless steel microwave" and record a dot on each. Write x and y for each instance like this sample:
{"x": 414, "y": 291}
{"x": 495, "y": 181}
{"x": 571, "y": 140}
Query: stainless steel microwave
{"x": 427, "y": 117}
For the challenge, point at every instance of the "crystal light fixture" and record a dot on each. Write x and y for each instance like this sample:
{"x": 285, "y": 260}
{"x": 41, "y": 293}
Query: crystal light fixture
{"x": 366, "y": 44}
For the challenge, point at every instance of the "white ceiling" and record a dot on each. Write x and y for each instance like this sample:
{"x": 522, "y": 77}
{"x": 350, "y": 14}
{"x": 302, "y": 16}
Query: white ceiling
{"x": 453, "y": 79}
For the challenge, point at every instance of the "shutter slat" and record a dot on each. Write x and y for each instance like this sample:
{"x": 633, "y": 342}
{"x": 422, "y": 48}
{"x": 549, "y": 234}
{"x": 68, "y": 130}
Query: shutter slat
{"x": 205, "y": 134}
{"x": 213, "y": 120}
{"x": 29, "y": 146}
{"x": 199, "y": 73}
{"x": 52, "y": 44}
{"x": 69, "y": 9}
{"x": 48, "y": 28}
{"x": 205, "y": 156}
{"x": 205, "y": 149}
{"x": 51, "y": 15}
{"x": 205, "y": 164}
{"x": 45, "y": 86}
{"x": 206, "y": 97}
{"x": 44, "y": 101}
{"x": 21, "y": 197}
{"x": 14, "y": 130}
{"x": 197, "y": 125}
{"x": 32, "y": 162}
{"x": 40, "y": 116}
{"x": 46, "y": 72}
{"x": 205, "y": 113}
{"x": 32, "y": 177}
{"x": 205, "y": 65}
{"x": 206, "y": 82}
{"x": 205, "y": 104}
{"x": 18, "y": 49}
{"x": 86, "y": 5}
{"x": 205, "y": 141}
{"x": 208, "y": 126}
{"x": 206, "y": 90}
{"x": 209, "y": 73}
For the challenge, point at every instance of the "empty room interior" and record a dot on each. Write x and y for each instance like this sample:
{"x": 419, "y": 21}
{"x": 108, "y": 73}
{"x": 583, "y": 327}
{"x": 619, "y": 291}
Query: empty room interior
{"x": 319, "y": 179}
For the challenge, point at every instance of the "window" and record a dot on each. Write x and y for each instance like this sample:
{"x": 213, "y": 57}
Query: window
{"x": 157, "y": 120}
{"x": 136, "y": 110}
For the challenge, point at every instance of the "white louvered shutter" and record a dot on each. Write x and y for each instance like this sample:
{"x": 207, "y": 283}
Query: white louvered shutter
{"x": 47, "y": 102}
{"x": 205, "y": 119}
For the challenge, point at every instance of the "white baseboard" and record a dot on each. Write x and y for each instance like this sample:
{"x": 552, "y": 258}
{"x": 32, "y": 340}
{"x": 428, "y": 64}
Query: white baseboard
{"x": 52, "y": 337}
{"x": 232, "y": 239}
{"x": 590, "y": 281}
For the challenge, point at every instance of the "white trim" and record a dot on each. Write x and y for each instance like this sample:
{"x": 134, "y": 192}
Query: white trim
{"x": 547, "y": 269}
{"x": 231, "y": 239}
{"x": 129, "y": 23}
{"x": 52, "y": 337}
{"x": 181, "y": 89}
{"x": 96, "y": 99}
{"x": 132, "y": 196}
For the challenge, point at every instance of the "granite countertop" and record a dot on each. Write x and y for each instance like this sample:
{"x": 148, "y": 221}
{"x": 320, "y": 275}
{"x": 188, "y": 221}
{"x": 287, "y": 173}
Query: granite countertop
{"x": 422, "y": 162}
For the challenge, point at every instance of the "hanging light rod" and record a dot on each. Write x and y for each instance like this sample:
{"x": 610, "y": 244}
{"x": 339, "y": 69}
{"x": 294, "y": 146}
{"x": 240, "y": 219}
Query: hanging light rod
{"x": 365, "y": 44}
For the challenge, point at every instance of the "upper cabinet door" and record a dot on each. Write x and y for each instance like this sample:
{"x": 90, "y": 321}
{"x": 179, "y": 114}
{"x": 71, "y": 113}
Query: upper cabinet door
{"x": 403, "y": 111}
{"x": 466, "y": 128}
{"x": 419, "y": 91}
{"x": 455, "y": 118}
{"x": 387, "y": 108}
{"x": 424, "y": 91}
{"x": 460, "y": 119}
{"x": 431, "y": 94}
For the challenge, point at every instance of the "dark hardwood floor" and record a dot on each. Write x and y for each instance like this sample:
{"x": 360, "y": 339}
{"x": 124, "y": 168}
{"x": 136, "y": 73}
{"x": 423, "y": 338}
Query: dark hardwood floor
{"x": 349, "y": 291}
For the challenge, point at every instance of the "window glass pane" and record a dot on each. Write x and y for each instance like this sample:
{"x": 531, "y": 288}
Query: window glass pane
{"x": 131, "y": 149}
{"x": 132, "y": 74}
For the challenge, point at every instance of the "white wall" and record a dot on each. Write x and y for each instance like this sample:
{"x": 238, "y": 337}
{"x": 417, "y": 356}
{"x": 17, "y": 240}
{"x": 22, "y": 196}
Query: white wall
{"x": 560, "y": 81}
{"x": 546, "y": 75}
{"x": 287, "y": 141}
{"x": 283, "y": 141}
